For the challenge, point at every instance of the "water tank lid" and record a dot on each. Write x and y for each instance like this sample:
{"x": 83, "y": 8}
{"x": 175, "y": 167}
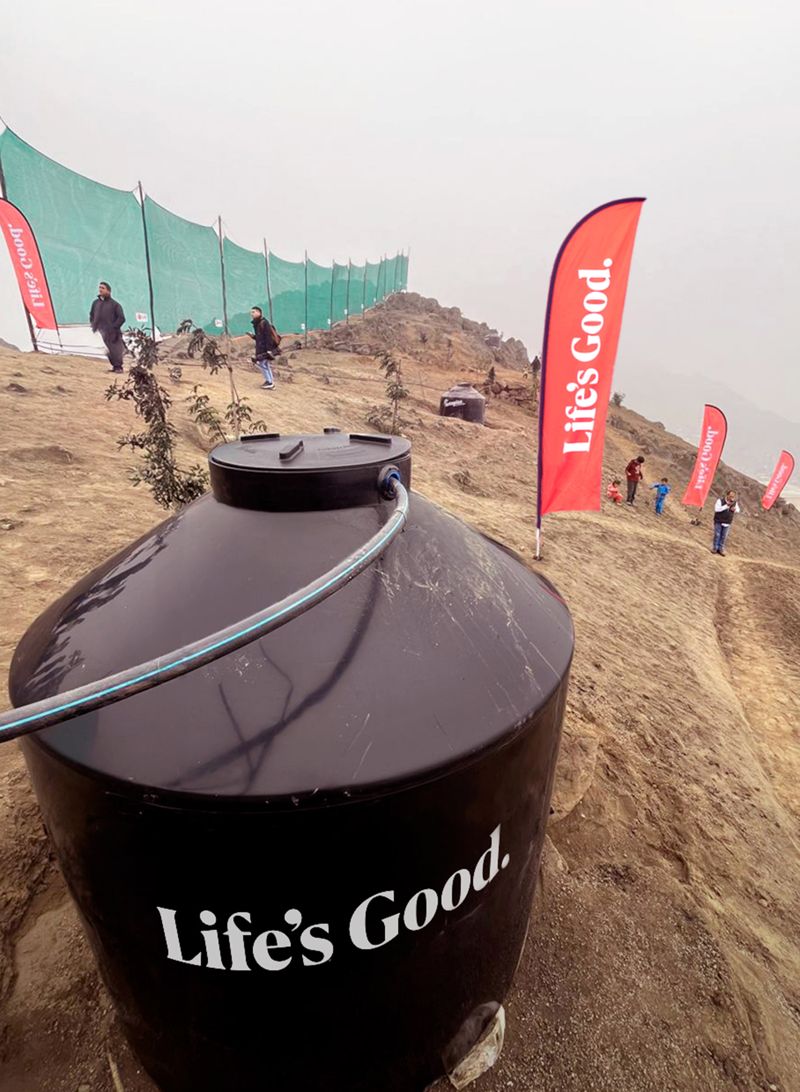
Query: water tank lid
{"x": 465, "y": 388}
{"x": 293, "y": 473}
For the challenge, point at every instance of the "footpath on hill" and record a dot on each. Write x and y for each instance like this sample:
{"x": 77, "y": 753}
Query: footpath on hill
{"x": 664, "y": 948}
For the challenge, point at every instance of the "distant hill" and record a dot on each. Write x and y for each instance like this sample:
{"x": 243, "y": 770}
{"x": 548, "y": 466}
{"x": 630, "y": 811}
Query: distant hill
{"x": 7, "y": 345}
{"x": 755, "y": 435}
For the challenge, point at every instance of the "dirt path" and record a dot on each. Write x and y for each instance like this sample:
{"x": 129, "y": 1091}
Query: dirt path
{"x": 764, "y": 671}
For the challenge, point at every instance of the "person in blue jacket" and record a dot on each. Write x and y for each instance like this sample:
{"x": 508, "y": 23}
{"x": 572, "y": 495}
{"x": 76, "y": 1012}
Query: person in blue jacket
{"x": 662, "y": 489}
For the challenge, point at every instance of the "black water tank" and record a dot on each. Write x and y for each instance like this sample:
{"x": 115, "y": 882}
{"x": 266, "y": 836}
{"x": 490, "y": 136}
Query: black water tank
{"x": 309, "y": 865}
{"x": 465, "y": 402}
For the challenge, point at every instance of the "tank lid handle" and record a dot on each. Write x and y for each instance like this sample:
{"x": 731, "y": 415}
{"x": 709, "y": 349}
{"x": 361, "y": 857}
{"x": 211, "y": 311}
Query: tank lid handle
{"x": 291, "y": 451}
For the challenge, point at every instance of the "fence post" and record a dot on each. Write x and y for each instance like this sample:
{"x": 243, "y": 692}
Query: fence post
{"x": 147, "y": 263}
{"x": 347, "y": 294}
{"x": 364, "y": 290}
{"x": 222, "y": 274}
{"x": 330, "y": 310}
{"x": 269, "y": 284}
{"x": 305, "y": 324}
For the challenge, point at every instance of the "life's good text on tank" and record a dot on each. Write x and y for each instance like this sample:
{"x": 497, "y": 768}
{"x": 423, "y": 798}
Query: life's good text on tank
{"x": 376, "y": 921}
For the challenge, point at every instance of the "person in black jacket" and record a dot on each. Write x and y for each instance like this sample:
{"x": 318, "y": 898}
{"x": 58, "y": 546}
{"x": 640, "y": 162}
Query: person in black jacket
{"x": 266, "y": 346}
{"x": 724, "y": 510}
{"x": 107, "y": 319}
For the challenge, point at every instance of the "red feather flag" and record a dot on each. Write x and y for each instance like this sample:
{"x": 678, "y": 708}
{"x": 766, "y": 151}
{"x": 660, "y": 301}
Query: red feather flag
{"x": 582, "y": 325}
{"x": 709, "y": 453}
{"x": 27, "y": 262}
{"x": 784, "y": 468}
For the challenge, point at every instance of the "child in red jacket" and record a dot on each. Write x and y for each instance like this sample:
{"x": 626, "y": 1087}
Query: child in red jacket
{"x": 613, "y": 492}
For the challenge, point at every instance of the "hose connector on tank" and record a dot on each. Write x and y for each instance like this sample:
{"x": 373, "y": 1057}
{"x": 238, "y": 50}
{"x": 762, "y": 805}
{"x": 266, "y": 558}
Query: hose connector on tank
{"x": 388, "y": 480}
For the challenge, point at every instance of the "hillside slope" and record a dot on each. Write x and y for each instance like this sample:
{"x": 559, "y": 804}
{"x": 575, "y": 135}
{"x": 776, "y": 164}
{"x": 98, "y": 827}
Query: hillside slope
{"x": 664, "y": 950}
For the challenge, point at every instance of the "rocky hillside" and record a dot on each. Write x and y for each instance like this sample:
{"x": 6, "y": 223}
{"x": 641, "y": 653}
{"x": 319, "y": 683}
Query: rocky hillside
{"x": 420, "y": 330}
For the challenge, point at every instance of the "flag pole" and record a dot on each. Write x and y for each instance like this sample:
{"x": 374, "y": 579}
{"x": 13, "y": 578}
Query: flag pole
{"x": 542, "y": 382}
{"x": 542, "y": 377}
{"x": 330, "y": 308}
{"x": 305, "y": 324}
{"x": 269, "y": 283}
{"x": 222, "y": 273}
{"x": 147, "y": 263}
{"x": 30, "y": 329}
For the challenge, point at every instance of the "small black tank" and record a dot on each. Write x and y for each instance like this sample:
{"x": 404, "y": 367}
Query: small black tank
{"x": 465, "y": 402}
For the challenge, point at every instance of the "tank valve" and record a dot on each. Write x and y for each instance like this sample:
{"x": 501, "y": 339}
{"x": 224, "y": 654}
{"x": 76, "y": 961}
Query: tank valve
{"x": 386, "y": 482}
{"x": 481, "y": 1035}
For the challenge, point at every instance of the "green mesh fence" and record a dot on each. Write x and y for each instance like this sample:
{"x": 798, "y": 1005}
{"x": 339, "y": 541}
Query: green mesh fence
{"x": 403, "y": 285}
{"x": 86, "y": 232}
{"x": 389, "y": 276}
{"x": 339, "y": 297}
{"x": 379, "y": 282}
{"x": 319, "y": 295}
{"x": 355, "y": 298}
{"x": 371, "y": 284}
{"x": 288, "y": 294}
{"x": 187, "y": 281}
{"x": 245, "y": 285}
{"x": 89, "y": 232}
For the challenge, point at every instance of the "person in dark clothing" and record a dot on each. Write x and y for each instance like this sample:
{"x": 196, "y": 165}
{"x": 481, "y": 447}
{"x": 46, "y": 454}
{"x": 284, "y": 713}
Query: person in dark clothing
{"x": 107, "y": 319}
{"x": 724, "y": 510}
{"x": 633, "y": 475}
{"x": 266, "y": 346}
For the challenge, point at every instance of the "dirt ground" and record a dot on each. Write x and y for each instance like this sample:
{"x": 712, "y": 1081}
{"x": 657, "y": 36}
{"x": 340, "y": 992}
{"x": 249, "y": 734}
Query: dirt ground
{"x": 664, "y": 952}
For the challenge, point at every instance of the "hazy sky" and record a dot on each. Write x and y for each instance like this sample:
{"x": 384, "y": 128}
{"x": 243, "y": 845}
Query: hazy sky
{"x": 476, "y": 134}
